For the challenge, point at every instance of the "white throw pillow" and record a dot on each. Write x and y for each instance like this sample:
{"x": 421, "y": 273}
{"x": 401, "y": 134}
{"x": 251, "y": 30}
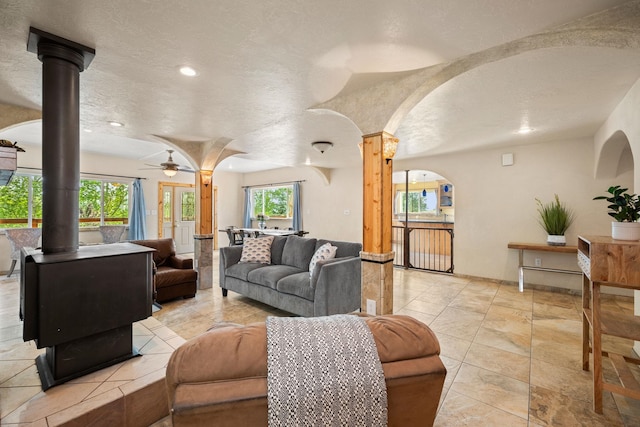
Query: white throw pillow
{"x": 257, "y": 249}
{"x": 324, "y": 252}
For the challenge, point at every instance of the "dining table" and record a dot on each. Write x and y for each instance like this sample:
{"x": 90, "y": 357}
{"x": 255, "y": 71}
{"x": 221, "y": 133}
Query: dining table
{"x": 267, "y": 231}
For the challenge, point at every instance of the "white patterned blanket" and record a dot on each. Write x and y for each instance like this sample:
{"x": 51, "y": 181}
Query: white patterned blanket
{"x": 324, "y": 371}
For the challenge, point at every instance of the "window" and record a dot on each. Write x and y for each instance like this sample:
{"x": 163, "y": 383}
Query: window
{"x": 21, "y": 202}
{"x": 188, "y": 206}
{"x": 100, "y": 202}
{"x": 417, "y": 202}
{"x": 273, "y": 202}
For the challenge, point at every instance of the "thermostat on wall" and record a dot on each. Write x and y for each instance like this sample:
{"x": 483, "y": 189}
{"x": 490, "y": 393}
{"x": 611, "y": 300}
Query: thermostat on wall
{"x": 507, "y": 159}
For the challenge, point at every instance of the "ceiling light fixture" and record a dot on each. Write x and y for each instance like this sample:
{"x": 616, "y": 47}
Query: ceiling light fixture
{"x": 88, "y": 130}
{"x": 524, "y": 129}
{"x": 170, "y": 172}
{"x": 116, "y": 124}
{"x": 389, "y": 147}
{"x": 322, "y": 146}
{"x": 188, "y": 71}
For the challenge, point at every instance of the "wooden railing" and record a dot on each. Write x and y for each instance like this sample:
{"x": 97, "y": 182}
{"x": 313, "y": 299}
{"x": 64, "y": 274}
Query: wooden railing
{"x": 37, "y": 222}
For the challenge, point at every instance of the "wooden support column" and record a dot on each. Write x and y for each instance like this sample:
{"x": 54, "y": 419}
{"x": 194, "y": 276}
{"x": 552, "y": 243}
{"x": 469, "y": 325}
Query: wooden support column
{"x": 205, "y": 216}
{"x": 377, "y": 256}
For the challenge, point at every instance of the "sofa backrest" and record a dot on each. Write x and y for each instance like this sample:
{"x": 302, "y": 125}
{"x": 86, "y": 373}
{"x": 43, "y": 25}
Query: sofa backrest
{"x": 344, "y": 248}
{"x": 164, "y": 249}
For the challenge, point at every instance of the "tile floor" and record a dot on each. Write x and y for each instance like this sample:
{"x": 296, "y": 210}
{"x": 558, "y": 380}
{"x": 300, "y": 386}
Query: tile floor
{"x": 513, "y": 359}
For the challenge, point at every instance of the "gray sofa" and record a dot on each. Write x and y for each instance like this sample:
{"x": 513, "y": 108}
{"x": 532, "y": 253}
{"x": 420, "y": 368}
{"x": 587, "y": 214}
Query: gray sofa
{"x": 286, "y": 284}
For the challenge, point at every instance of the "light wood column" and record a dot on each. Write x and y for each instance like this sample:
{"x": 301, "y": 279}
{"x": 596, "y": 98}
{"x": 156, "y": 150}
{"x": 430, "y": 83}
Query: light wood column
{"x": 205, "y": 213}
{"x": 377, "y": 256}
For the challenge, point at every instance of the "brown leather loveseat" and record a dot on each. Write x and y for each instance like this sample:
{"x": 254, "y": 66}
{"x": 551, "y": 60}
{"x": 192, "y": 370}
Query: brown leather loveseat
{"x": 220, "y": 377}
{"x": 175, "y": 276}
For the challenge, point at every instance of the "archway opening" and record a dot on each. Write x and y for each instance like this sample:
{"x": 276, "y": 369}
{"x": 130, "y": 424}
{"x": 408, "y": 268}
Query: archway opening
{"x": 423, "y": 220}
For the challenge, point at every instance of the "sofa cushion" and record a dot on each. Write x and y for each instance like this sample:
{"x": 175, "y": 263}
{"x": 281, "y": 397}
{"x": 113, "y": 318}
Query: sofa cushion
{"x": 324, "y": 252}
{"x": 271, "y": 274}
{"x": 257, "y": 249}
{"x": 298, "y": 251}
{"x": 296, "y": 284}
{"x": 241, "y": 271}
{"x": 344, "y": 248}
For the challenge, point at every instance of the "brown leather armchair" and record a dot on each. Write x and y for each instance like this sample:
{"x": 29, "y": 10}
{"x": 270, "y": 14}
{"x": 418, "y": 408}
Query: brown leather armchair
{"x": 175, "y": 276}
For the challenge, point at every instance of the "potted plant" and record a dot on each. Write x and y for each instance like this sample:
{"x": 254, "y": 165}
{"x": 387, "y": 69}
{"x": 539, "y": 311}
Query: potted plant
{"x": 262, "y": 224}
{"x": 555, "y": 219}
{"x": 625, "y": 209}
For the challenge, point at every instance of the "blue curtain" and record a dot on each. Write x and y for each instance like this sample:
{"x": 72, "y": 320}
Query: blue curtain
{"x": 297, "y": 213}
{"x": 137, "y": 219}
{"x": 246, "y": 223}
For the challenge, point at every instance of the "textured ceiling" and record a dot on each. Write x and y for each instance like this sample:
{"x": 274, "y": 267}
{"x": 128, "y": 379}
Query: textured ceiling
{"x": 264, "y": 66}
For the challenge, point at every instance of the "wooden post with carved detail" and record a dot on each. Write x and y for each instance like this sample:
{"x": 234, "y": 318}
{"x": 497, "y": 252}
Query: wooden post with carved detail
{"x": 377, "y": 256}
{"x": 205, "y": 212}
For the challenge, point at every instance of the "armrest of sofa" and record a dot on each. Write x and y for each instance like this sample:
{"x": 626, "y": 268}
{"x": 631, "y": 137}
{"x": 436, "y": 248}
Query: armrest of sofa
{"x": 180, "y": 262}
{"x": 229, "y": 255}
{"x": 337, "y": 289}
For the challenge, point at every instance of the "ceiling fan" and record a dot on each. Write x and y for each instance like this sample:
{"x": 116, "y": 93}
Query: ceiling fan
{"x": 170, "y": 168}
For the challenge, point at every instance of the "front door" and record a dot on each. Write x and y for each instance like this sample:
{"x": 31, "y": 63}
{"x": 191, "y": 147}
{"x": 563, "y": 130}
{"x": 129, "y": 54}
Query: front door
{"x": 178, "y": 207}
{"x": 185, "y": 219}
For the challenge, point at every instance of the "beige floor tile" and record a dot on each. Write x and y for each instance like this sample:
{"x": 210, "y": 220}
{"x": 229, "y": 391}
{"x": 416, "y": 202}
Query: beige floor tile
{"x": 453, "y": 366}
{"x": 548, "y": 311}
{"x": 457, "y": 323}
{"x": 432, "y": 309}
{"x": 554, "y": 298}
{"x": 499, "y": 361}
{"x": 573, "y": 383}
{"x": 509, "y": 341}
{"x": 453, "y": 347}
{"x": 499, "y": 391}
{"x": 472, "y": 301}
{"x": 423, "y": 317}
{"x": 460, "y": 410}
{"x": 552, "y": 408}
{"x": 521, "y": 304}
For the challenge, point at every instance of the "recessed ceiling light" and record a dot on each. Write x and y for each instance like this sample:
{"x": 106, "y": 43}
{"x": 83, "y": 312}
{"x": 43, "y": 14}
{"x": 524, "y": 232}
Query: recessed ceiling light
{"x": 524, "y": 130}
{"x": 188, "y": 71}
{"x": 116, "y": 124}
{"x": 88, "y": 130}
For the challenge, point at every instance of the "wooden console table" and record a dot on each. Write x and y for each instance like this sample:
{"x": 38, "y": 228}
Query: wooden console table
{"x": 614, "y": 263}
{"x": 541, "y": 248}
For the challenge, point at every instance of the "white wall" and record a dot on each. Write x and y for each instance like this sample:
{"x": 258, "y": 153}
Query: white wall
{"x": 32, "y": 158}
{"x": 496, "y": 205}
{"x": 324, "y": 206}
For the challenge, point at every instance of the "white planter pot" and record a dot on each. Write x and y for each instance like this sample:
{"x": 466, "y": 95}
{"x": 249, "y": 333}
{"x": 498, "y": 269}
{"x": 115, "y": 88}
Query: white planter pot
{"x": 625, "y": 230}
{"x": 555, "y": 240}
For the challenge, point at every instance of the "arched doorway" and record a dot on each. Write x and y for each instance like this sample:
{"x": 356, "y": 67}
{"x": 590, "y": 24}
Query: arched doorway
{"x": 423, "y": 221}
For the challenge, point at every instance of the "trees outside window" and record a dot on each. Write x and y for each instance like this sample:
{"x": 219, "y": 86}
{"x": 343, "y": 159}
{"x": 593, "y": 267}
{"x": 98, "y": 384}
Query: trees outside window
{"x": 100, "y": 202}
{"x": 417, "y": 202}
{"x": 273, "y": 202}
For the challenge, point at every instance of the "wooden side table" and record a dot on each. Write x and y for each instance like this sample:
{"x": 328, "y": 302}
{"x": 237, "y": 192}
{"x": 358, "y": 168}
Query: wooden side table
{"x": 568, "y": 249}
{"x": 615, "y": 263}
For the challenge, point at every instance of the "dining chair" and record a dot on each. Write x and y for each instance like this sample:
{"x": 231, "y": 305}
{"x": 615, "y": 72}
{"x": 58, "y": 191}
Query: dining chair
{"x": 21, "y": 238}
{"x": 236, "y": 237}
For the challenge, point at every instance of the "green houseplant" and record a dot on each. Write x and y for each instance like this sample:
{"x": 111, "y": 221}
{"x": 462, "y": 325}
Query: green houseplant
{"x": 625, "y": 209}
{"x": 555, "y": 219}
